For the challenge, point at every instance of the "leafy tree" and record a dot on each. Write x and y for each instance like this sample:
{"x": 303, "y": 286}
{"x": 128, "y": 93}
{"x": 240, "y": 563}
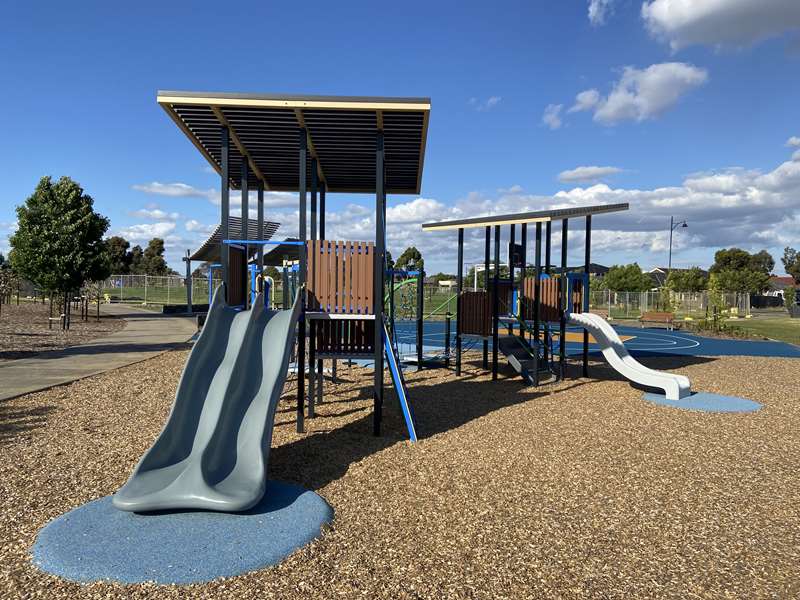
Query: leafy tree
{"x": 627, "y": 278}
{"x": 137, "y": 266}
{"x": 739, "y": 271}
{"x": 442, "y": 277}
{"x": 119, "y": 259}
{"x": 791, "y": 263}
{"x": 153, "y": 258}
{"x": 687, "y": 280}
{"x": 411, "y": 258}
{"x": 389, "y": 260}
{"x": 789, "y": 297}
{"x": 59, "y": 242}
{"x": 2, "y": 259}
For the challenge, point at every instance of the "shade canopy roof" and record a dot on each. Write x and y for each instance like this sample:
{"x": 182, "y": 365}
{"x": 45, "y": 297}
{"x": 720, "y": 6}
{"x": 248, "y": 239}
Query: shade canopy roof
{"x": 341, "y": 132}
{"x": 210, "y": 250}
{"x": 541, "y": 216}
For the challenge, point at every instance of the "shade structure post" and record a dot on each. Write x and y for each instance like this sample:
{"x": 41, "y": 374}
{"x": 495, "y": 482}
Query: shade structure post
{"x": 459, "y": 290}
{"x": 511, "y": 242}
{"x": 496, "y": 301}
{"x": 378, "y": 279}
{"x": 260, "y": 217}
{"x": 225, "y": 203}
{"x": 537, "y": 291}
{"x": 548, "y": 242}
{"x": 314, "y": 187}
{"x": 188, "y": 262}
{"x": 322, "y": 189}
{"x": 420, "y": 316}
{"x": 524, "y": 251}
{"x": 487, "y": 249}
{"x": 314, "y": 381}
{"x": 301, "y": 333}
{"x": 243, "y": 231}
{"x": 585, "y": 290}
{"x": 564, "y": 287}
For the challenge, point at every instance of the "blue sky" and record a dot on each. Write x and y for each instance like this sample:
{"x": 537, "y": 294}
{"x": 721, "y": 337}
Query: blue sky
{"x": 686, "y": 108}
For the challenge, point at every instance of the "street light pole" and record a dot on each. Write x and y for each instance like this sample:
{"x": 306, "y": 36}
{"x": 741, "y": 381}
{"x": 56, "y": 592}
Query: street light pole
{"x": 672, "y": 227}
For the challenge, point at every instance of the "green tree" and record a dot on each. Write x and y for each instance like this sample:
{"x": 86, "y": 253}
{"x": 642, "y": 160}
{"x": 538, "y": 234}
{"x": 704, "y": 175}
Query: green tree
{"x": 119, "y": 259}
{"x": 389, "y": 260}
{"x": 739, "y": 271}
{"x": 410, "y": 259}
{"x": 687, "y": 280}
{"x": 2, "y": 259}
{"x": 627, "y": 278}
{"x": 789, "y": 297}
{"x": 59, "y": 241}
{"x": 791, "y": 263}
{"x": 137, "y": 264}
{"x": 153, "y": 258}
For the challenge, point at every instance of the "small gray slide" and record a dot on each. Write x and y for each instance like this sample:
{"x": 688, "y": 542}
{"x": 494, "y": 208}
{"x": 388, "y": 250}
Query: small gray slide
{"x": 675, "y": 386}
{"x": 213, "y": 451}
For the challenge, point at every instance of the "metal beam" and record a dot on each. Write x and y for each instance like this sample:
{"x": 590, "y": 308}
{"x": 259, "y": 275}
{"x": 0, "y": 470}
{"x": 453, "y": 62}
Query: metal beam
{"x": 459, "y": 289}
{"x": 537, "y": 297}
{"x": 564, "y": 287}
{"x": 301, "y": 337}
{"x": 496, "y": 301}
{"x": 242, "y": 150}
{"x": 586, "y": 264}
{"x": 486, "y": 271}
{"x": 224, "y": 202}
{"x": 245, "y": 187}
{"x": 260, "y": 226}
{"x": 548, "y": 237}
{"x": 378, "y": 277}
{"x": 322, "y": 189}
{"x": 301, "y": 121}
{"x": 314, "y": 187}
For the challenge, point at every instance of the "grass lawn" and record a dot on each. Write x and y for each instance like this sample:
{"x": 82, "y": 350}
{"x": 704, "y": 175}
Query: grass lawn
{"x": 783, "y": 329}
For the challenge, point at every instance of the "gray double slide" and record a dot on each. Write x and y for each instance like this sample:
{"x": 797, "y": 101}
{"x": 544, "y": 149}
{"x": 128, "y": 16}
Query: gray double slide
{"x": 213, "y": 451}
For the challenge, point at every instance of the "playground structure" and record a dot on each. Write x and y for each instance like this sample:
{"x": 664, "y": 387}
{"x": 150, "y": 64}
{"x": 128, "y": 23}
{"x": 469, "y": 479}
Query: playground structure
{"x": 540, "y": 307}
{"x": 205, "y": 456}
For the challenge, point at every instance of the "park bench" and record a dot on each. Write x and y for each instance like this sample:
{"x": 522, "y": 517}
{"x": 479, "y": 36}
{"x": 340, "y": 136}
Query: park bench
{"x": 658, "y": 318}
{"x": 600, "y": 312}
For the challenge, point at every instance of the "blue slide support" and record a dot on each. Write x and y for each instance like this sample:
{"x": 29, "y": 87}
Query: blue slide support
{"x": 399, "y": 384}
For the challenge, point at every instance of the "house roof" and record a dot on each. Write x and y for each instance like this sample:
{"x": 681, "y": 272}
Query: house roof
{"x": 341, "y": 133}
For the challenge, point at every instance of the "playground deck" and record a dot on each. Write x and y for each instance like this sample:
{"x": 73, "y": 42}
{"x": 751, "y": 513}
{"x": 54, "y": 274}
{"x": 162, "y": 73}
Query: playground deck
{"x": 576, "y": 490}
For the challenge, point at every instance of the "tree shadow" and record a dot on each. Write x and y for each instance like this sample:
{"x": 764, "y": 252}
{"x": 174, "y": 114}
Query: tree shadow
{"x": 16, "y": 421}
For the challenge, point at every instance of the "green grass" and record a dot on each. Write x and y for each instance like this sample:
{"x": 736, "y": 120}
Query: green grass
{"x": 784, "y": 329}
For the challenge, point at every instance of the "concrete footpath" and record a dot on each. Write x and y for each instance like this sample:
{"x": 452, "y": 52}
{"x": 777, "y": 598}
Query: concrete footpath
{"x": 145, "y": 335}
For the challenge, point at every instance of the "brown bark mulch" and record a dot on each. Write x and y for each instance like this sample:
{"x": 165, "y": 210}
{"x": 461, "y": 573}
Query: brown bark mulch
{"x": 579, "y": 490}
{"x": 24, "y": 330}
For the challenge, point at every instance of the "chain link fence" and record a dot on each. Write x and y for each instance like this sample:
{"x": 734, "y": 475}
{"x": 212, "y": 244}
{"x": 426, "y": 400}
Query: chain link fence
{"x": 631, "y": 305}
{"x": 152, "y": 289}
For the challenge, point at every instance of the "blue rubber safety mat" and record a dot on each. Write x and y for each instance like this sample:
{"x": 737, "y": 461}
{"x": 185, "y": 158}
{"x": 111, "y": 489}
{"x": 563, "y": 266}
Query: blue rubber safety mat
{"x": 645, "y": 342}
{"x": 96, "y": 541}
{"x": 706, "y": 402}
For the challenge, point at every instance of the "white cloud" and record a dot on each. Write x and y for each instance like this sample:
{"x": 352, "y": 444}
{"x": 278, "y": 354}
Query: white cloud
{"x": 271, "y": 199}
{"x": 154, "y": 213}
{"x": 175, "y": 190}
{"x": 734, "y": 23}
{"x": 552, "y": 116}
{"x": 484, "y": 105}
{"x": 146, "y": 231}
{"x": 642, "y": 94}
{"x": 793, "y": 142}
{"x": 194, "y": 225}
{"x": 796, "y": 155}
{"x": 587, "y": 174}
{"x": 598, "y": 10}
{"x": 585, "y": 100}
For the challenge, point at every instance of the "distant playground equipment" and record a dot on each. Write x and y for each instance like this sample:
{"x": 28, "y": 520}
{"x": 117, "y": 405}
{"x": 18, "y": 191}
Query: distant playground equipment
{"x": 536, "y": 311}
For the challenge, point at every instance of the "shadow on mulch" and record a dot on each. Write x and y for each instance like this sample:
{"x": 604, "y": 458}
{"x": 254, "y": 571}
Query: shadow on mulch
{"x": 324, "y": 456}
{"x": 93, "y": 349}
{"x": 20, "y": 420}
